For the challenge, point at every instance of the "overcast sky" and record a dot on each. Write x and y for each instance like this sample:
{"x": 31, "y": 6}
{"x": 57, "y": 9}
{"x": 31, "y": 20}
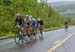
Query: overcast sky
{"x": 57, "y": 0}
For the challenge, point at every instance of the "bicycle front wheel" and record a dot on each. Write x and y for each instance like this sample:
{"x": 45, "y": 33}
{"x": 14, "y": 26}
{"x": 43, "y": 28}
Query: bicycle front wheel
{"x": 19, "y": 38}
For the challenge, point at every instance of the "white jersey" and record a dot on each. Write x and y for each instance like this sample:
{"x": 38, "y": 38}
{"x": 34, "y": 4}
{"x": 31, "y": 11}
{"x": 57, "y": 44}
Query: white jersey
{"x": 27, "y": 21}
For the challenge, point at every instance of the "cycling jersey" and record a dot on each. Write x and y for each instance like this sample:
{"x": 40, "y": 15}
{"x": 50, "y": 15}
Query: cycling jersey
{"x": 27, "y": 22}
{"x": 19, "y": 22}
{"x": 34, "y": 24}
{"x": 40, "y": 22}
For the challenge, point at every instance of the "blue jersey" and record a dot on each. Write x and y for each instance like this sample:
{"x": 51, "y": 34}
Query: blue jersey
{"x": 34, "y": 24}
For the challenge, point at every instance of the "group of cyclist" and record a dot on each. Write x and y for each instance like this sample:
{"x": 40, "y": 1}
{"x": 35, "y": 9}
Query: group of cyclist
{"x": 28, "y": 23}
{"x": 30, "y": 26}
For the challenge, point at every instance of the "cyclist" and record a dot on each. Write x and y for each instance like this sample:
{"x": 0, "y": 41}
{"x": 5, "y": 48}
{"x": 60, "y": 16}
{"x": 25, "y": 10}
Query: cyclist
{"x": 27, "y": 21}
{"x": 40, "y": 27}
{"x": 19, "y": 22}
{"x": 66, "y": 25}
{"x": 19, "y": 27}
{"x": 34, "y": 26}
{"x": 40, "y": 22}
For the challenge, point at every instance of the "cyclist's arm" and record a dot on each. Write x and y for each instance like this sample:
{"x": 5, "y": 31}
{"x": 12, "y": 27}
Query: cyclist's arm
{"x": 15, "y": 23}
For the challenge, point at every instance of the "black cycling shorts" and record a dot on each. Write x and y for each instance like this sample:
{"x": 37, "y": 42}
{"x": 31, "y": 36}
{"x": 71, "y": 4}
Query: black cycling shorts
{"x": 28, "y": 23}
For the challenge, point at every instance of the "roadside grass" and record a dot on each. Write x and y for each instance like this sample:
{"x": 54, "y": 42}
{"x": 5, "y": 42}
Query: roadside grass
{"x": 9, "y": 35}
{"x": 53, "y": 28}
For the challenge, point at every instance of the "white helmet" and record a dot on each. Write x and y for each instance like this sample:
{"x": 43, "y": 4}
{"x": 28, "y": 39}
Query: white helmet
{"x": 39, "y": 19}
{"x": 18, "y": 14}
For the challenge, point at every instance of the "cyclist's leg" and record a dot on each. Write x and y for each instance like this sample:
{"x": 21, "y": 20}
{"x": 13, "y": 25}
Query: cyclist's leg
{"x": 18, "y": 37}
{"x": 66, "y": 26}
{"x": 41, "y": 29}
{"x": 33, "y": 31}
{"x": 28, "y": 29}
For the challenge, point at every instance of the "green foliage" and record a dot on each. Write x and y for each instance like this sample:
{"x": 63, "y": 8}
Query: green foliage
{"x": 9, "y": 8}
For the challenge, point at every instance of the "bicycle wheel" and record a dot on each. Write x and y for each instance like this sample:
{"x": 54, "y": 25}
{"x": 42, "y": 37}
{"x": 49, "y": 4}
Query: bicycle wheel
{"x": 41, "y": 35}
{"x": 19, "y": 37}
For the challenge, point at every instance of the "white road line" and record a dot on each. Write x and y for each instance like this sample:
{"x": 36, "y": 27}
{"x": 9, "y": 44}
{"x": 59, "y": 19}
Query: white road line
{"x": 7, "y": 42}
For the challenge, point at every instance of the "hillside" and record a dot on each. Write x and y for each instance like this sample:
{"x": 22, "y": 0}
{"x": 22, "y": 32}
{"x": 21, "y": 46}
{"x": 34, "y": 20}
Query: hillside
{"x": 64, "y": 8}
{"x": 9, "y": 8}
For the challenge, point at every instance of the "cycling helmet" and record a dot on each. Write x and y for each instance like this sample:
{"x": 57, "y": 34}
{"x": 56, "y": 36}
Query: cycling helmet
{"x": 39, "y": 19}
{"x": 18, "y": 14}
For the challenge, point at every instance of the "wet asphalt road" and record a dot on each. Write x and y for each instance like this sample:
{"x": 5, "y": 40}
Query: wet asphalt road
{"x": 49, "y": 40}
